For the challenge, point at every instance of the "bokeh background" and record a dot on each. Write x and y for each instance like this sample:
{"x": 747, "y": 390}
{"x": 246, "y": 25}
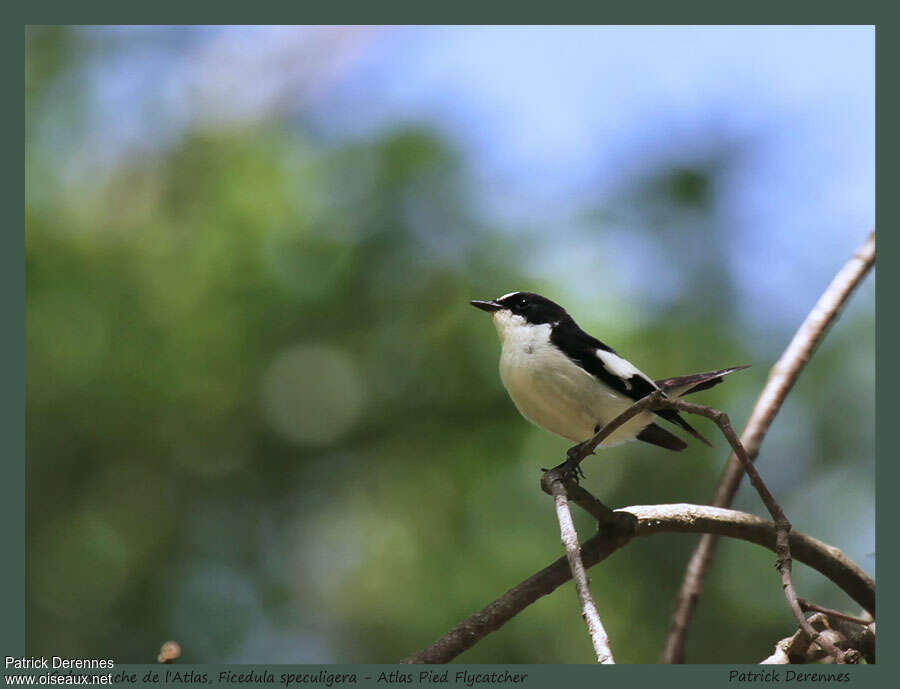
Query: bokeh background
{"x": 262, "y": 418}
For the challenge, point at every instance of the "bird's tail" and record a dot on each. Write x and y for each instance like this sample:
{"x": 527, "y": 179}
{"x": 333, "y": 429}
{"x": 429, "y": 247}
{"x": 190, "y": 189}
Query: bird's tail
{"x": 688, "y": 385}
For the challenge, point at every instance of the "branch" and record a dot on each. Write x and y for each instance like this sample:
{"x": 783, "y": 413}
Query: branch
{"x": 556, "y": 485}
{"x": 857, "y": 640}
{"x": 647, "y": 520}
{"x": 806, "y": 606}
{"x": 581, "y": 497}
{"x": 782, "y": 525}
{"x": 580, "y": 452}
{"x": 798, "y": 648}
{"x": 781, "y": 379}
{"x": 657, "y": 401}
{"x": 825, "y": 559}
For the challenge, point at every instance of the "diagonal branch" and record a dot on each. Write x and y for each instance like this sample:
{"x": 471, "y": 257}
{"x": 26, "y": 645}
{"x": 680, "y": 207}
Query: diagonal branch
{"x": 784, "y": 563}
{"x": 642, "y": 521}
{"x": 807, "y": 606}
{"x": 825, "y": 559}
{"x": 555, "y": 483}
{"x": 798, "y": 648}
{"x": 856, "y": 639}
{"x": 781, "y": 379}
{"x": 648, "y": 403}
{"x": 494, "y": 615}
{"x": 779, "y": 537}
{"x": 657, "y": 401}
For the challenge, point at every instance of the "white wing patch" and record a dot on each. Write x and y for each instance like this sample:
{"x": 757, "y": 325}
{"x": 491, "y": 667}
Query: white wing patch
{"x": 620, "y": 367}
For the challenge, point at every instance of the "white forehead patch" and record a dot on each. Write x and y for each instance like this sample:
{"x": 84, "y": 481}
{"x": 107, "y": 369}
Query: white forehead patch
{"x": 505, "y": 296}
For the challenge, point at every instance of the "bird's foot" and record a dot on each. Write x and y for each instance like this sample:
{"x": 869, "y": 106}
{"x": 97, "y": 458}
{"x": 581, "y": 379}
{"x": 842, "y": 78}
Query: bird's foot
{"x": 571, "y": 468}
{"x": 573, "y": 461}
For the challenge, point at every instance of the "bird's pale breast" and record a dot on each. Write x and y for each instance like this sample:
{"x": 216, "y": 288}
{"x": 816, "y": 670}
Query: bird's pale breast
{"x": 556, "y": 394}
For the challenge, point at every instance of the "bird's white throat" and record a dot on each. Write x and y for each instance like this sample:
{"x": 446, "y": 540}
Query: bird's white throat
{"x": 515, "y": 331}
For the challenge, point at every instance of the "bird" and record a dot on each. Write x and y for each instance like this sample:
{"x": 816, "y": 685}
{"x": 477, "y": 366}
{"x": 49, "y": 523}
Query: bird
{"x": 569, "y": 383}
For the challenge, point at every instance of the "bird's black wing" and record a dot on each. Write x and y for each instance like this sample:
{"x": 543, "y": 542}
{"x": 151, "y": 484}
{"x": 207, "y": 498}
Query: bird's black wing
{"x": 582, "y": 349}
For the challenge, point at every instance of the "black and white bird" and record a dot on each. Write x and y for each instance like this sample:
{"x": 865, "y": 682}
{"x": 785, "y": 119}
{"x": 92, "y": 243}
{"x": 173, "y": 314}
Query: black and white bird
{"x": 571, "y": 384}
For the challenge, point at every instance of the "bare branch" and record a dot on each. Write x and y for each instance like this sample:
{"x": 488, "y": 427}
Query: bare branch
{"x": 781, "y": 379}
{"x": 647, "y": 520}
{"x": 586, "y": 449}
{"x": 784, "y": 563}
{"x": 859, "y": 637}
{"x": 826, "y": 559}
{"x": 553, "y": 479}
{"x": 856, "y": 641}
{"x": 581, "y": 497}
{"x": 796, "y": 649}
{"x": 493, "y": 616}
{"x": 657, "y": 401}
{"x": 806, "y": 606}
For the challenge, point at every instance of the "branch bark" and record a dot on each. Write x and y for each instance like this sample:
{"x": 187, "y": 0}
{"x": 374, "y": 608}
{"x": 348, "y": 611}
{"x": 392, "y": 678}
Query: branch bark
{"x": 599, "y": 638}
{"x": 798, "y": 648}
{"x": 784, "y": 562}
{"x": 807, "y": 606}
{"x": 857, "y": 640}
{"x": 640, "y": 521}
{"x": 657, "y": 401}
{"x": 781, "y": 379}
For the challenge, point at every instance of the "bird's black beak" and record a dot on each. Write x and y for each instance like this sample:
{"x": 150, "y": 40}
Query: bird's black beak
{"x": 486, "y": 305}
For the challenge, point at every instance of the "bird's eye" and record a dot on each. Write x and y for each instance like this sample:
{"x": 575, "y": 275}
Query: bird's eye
{"x": 523, "y": 302}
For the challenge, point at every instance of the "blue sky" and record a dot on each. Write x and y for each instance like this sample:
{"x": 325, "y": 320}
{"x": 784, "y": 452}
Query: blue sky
{"x": 554, "y": 119}
{"x": 553, "y": 122}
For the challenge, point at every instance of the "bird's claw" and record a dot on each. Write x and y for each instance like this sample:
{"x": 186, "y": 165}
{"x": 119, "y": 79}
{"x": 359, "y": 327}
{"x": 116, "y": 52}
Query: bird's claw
{"x": 568, "y": 471}
{"x": 575, "y": 468}
{"x": 571, "y": 468}
{"x": 573, "y": 461}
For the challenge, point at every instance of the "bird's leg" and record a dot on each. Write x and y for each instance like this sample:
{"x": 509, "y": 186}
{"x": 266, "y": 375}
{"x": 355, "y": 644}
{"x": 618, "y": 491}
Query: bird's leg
{"x": 573, "y": 460}
{"x": 572, "y": 466}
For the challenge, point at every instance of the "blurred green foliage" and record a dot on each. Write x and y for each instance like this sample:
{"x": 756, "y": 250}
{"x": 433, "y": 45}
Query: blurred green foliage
{"x": 263, "y": 420}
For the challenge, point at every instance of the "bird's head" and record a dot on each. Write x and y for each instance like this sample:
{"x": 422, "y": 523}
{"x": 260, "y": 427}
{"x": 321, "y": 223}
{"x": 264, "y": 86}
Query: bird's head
{"x": 518, "y": 310}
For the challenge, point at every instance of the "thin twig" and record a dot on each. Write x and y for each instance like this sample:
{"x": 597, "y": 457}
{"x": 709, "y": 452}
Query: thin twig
{"x": 581, "y": 497}
{"x": 494, "y": 615}
{"x": 807, "y": 606}
{"x": 856, "y": 642}
{"x": 657, "y": 401}
{"x": 783, "y": 563}
{"x": 569, "y": 537}
{"x": 797, "y": 648}
{"x": 642, "y": 521}
{"x": 645, "y": 403}
{"x": 781, "y": 379}
{"x": 826, "y": 559}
